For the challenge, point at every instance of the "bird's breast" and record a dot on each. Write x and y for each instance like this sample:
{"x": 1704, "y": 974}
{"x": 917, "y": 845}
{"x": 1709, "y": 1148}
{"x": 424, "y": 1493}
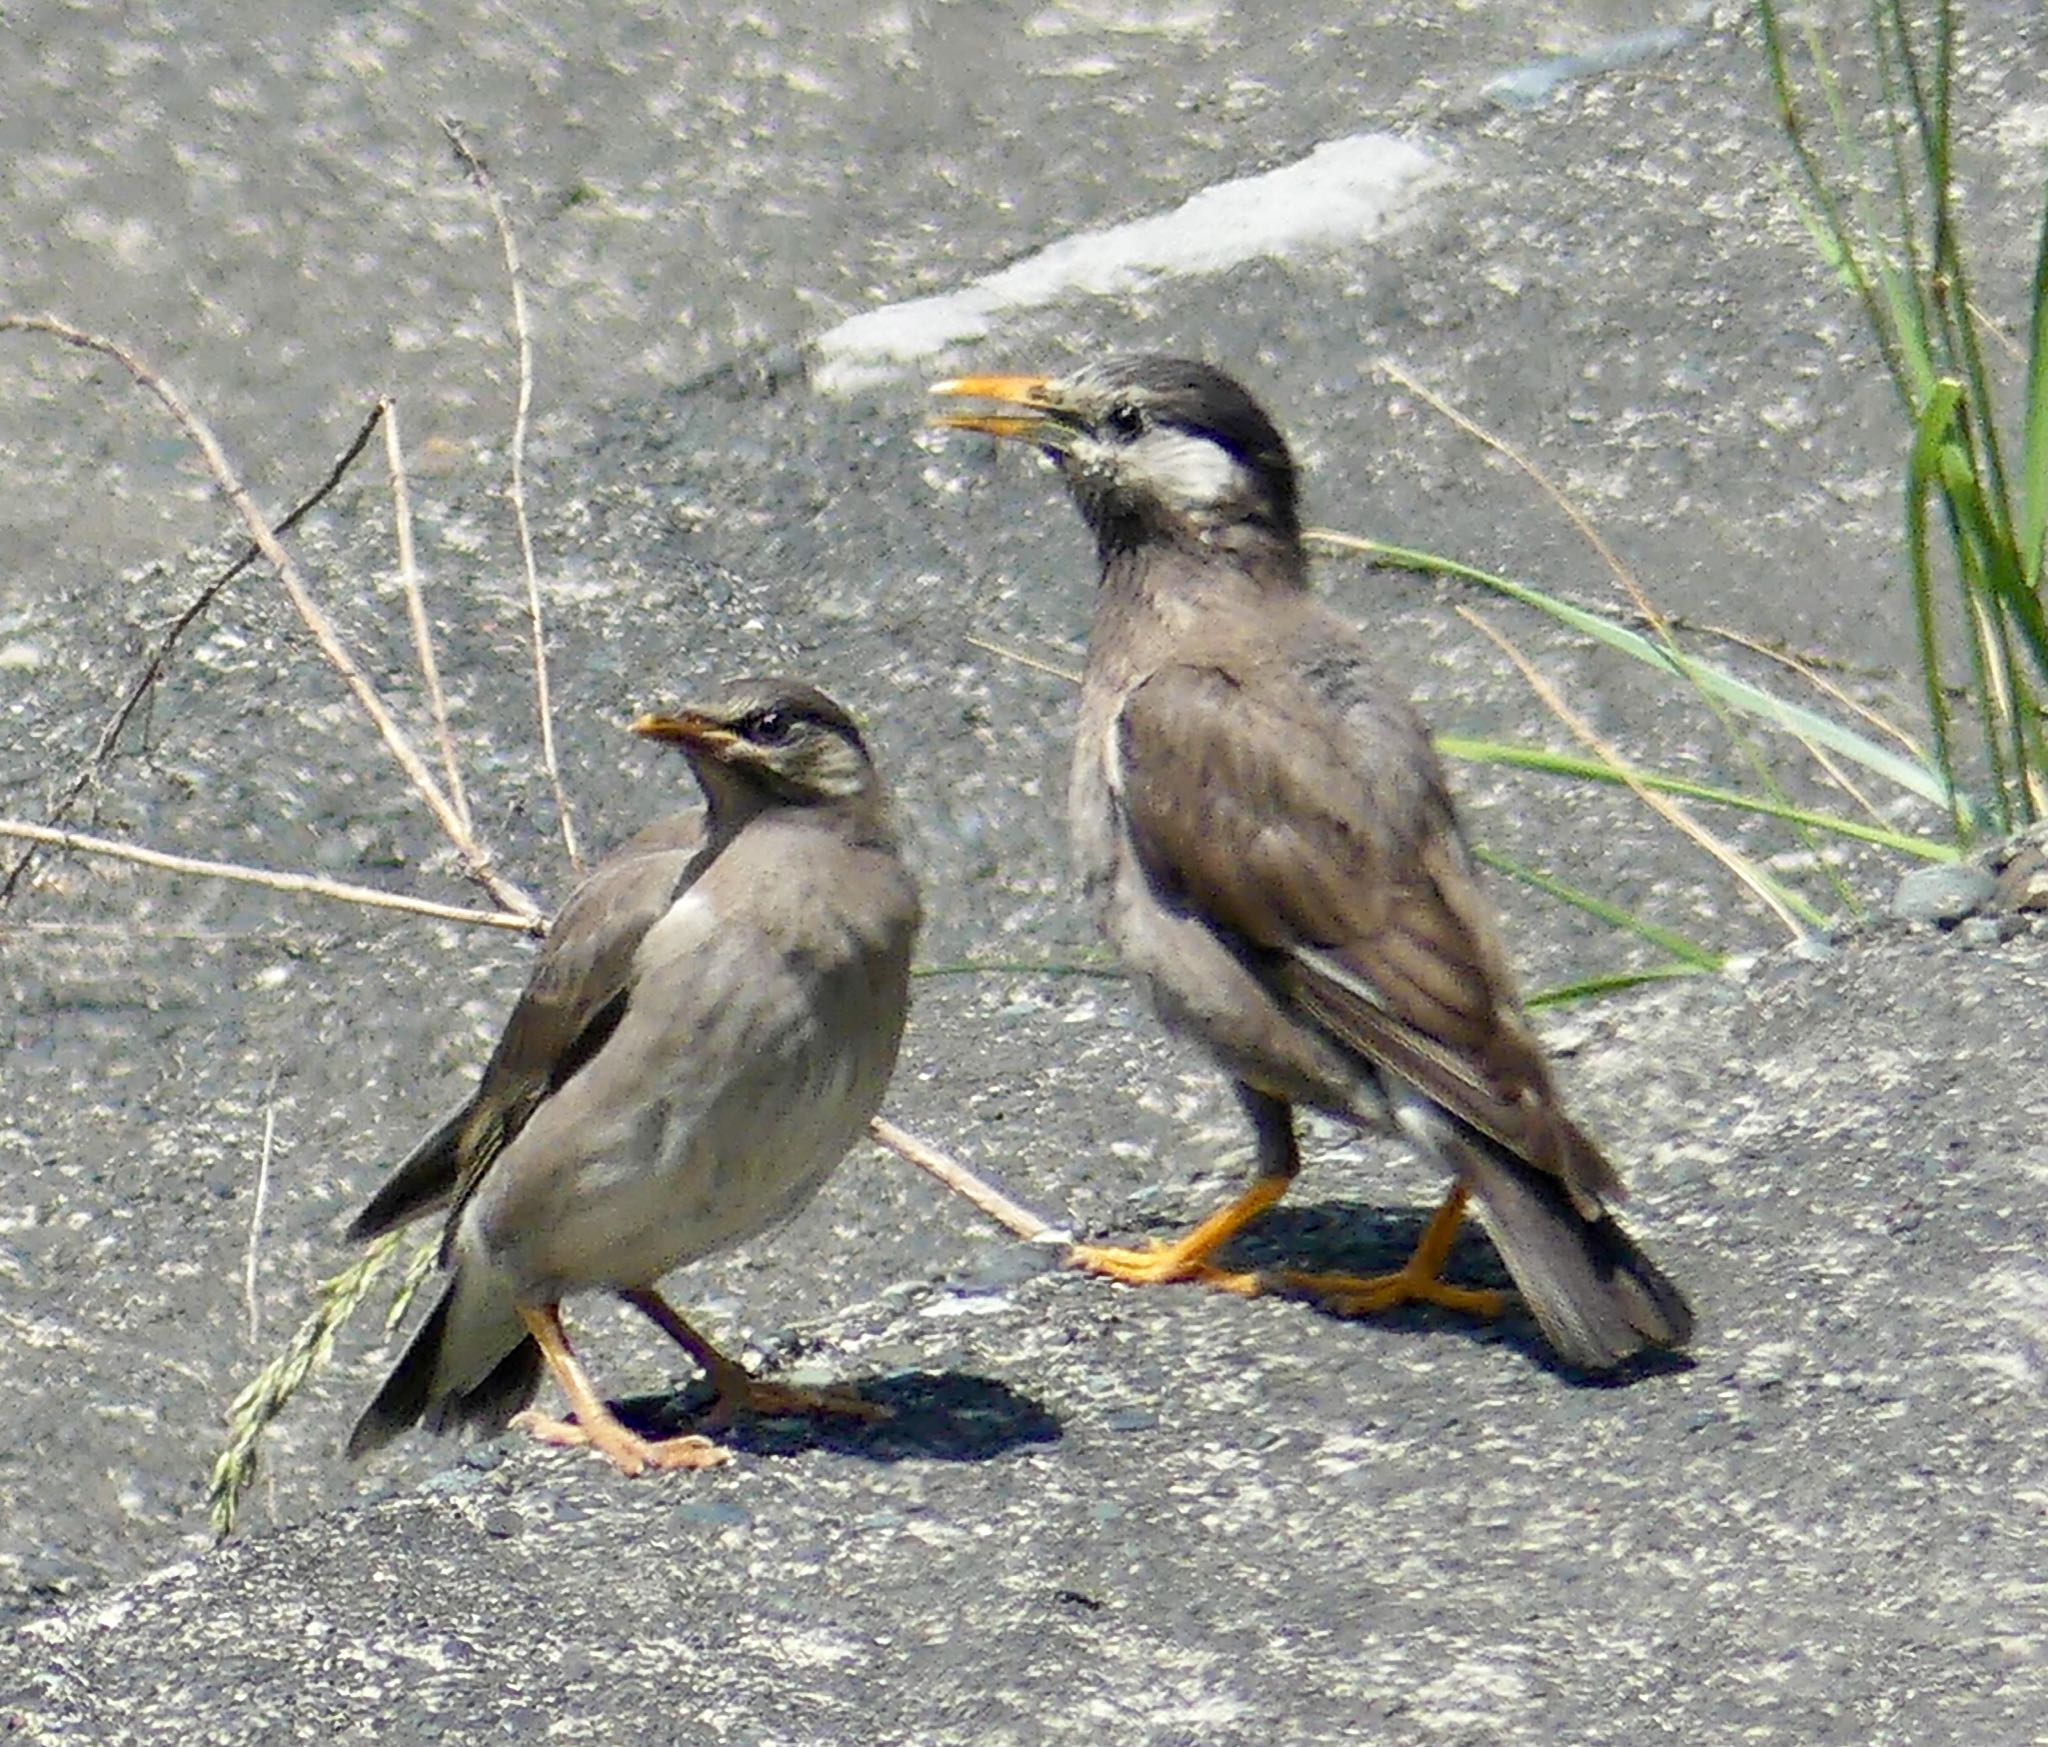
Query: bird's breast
{"x": 744, "y": 1069}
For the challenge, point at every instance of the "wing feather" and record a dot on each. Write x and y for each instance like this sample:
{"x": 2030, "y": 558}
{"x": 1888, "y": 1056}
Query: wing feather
{"x": 1316, "y": 836}
{"x": 574, "y": 998}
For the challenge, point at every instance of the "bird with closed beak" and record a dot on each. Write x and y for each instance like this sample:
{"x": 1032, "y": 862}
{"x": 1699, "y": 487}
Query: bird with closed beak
{"x": 711, "y": 1023}
{"x": 1261, "y": 819}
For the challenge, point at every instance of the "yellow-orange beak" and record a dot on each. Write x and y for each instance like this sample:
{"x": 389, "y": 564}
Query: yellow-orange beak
{"x": 1029, "y": 392}
{"x": 686, "y": 728}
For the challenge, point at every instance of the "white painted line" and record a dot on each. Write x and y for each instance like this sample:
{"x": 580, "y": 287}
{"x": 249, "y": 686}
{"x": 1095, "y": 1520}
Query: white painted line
{"x": 1345, "y": 192}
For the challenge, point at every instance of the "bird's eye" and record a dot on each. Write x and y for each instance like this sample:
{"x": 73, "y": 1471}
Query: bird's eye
{"x": 772, "y": 728}
{"x": 1123, "y": 420}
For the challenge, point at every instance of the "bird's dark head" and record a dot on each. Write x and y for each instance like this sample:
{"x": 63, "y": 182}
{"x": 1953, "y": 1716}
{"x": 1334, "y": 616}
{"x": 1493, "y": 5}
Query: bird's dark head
{"x": 1150, "y": 446}
{"x": 757, "y": 743}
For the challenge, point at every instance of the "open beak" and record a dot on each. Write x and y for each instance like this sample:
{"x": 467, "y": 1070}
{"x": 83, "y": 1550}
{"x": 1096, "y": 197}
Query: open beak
{"x": 1038, "y": 423}
{"x": 686, "y": 728}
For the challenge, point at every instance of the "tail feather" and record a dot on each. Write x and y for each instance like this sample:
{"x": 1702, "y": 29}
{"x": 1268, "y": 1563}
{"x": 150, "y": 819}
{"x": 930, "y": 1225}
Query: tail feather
{"x": 421, "y": 1182}
{"x": 510, "y": 1387}
{"x": 471, "y": 1364}
{"x": 1598, "y": 1298}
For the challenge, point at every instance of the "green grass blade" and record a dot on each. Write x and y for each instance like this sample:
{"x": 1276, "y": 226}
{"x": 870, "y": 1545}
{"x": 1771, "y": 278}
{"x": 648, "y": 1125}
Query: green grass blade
{"x": 2032, "y": 524}
{"x": 2005, "y": 615}
{"x": 1920, "y": 470}
{"x": 1899, "y": 312}
{"x": 1577, "y": 767}
{"x": 1602, "y": 909}
{"x": 2003, "y": 576}
{"x": 1913, "y": 777}
{"x": 1589, "y": 988}
{"x": 1832, "y": 250}
{"x": 1847, "y": 255}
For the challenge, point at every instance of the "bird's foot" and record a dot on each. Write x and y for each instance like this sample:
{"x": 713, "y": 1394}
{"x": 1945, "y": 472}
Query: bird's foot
{"x": 1159, "y": 1265}
{"x": 741, "y": 1396}
{"x": 627, "y": 1451}
{"x": 1370, "y": 1294}
{"x": 1187, "y": 1260}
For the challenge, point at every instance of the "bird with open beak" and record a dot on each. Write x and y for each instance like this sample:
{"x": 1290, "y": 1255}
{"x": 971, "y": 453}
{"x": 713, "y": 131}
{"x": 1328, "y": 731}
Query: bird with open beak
{"x": 709, "y": 1027}
{"x": 1261, "y": 819}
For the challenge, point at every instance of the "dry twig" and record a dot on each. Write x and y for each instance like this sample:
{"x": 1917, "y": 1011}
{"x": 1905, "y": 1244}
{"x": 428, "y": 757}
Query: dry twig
{"x": 253, "y": 1256}
{"x": 305, "y": 885}
{"x": 1037, "y": 665}
{"x": 416, "y": 612}
{"x": 963, "y": 1182}
{"x": 542, "y": 697}
{"x": 1662, "y": 805}
{"x": 153, "y": 669}
{"x": 476, "y": 859}
{"x": 1543, "y": 483}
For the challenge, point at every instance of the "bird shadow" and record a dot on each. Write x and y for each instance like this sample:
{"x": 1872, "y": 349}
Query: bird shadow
{"x": 1349, "y": 1237}
{"x": 933, "y": 1416}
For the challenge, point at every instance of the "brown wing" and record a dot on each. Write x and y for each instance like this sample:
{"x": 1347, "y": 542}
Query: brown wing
{"x": 573, "y": 1000}
{"x": 1317, "y": 833}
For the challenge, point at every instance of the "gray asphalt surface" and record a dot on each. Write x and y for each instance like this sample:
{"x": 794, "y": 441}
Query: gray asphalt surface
{"x": 1160, "y": 1515}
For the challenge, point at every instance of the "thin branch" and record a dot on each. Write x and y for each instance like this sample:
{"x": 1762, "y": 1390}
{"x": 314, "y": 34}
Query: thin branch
{"x": 1665, "y": 809}
{"x": 1022, "y": 659}
{"x": 1571, "y": 511}
{"x": 1808, "y": 668}
{"x": 153, "y": 669}
{"x": 954, "y": 1175}
{"x": 1659, "y": 625}
{"x": 475, "y": 858}
{"x": 963, "y": 1182}
{"x": 255, "y": 1251}
{"x": 416, "y": 612}
{"x": 542, "y": 696}
{"x": 127, "y": 933}
{"x": 304, "y": 885}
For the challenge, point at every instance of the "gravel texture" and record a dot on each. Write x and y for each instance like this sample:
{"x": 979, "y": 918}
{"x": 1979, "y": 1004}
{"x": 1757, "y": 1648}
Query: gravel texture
{"x": 1161, "y": 1516}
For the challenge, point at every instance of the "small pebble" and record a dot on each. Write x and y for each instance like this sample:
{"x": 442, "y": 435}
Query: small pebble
{"x": 812, "y": 1376}
{"x": 1942, "y": 895}
{"x": 1981, "y": 931}
{"x": 995, "y": 1304}
{"x": 2024, "y": 883}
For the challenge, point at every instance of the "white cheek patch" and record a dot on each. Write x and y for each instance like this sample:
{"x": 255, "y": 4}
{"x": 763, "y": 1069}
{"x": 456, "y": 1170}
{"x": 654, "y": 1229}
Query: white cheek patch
{"x": 1190, "y": 473}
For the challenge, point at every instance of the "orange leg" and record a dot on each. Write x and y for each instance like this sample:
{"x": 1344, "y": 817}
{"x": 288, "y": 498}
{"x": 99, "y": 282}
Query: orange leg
{"x": 1415, "y": 1283}
{"x": 596, "y": 1427}
{"x": 740, "y": 1394}
{"x": 1188, "y": 1259}
{"x": 1344, "y": 1294}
